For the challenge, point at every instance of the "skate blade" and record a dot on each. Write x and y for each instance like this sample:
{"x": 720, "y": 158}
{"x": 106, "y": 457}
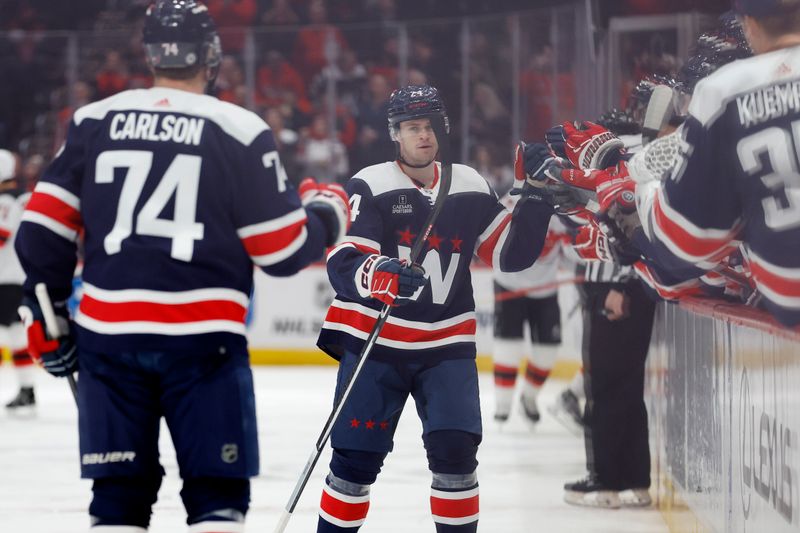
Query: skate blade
{"x": 564, "y": 418}
{"x": 602, "y": 499}
{"x": 23, "y": 412}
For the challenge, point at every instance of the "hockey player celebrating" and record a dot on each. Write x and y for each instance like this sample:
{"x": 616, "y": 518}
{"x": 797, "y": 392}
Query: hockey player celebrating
{"x": 427, "y": 348}
{"x": 178, "y": 195}
{"x": 12, "y": 333}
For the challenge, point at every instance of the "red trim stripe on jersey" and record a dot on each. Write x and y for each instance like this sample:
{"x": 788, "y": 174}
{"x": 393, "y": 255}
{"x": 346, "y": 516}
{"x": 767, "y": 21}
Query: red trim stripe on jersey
{"x": 341, "y": 509}
{"x": 55, "y": 208}
{"x": 491, "y": 237}
{"x": 686, "y": 240}
{"x": 142, "y": 311}
{"x": 780, "y": 284}
{"x": 358, "y": 320}
{"x": 692, "y": 287}
{"x": 4, "y": 236}
{"x": 275, "y": 240}
{"x": 455, "y": 508}
{"x": 363, "y": 245}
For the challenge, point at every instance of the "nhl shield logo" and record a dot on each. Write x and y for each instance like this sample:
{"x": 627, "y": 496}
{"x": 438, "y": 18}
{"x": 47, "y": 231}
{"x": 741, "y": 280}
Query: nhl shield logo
{"x": 230, "y": 453}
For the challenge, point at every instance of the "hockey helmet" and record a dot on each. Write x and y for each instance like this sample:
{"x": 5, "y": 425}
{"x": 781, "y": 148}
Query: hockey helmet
{"x": 180, "y": 34}
{"x": 413, "y": 102}
{"x": 619, "y": 122}
{"x": 8, "y": 165}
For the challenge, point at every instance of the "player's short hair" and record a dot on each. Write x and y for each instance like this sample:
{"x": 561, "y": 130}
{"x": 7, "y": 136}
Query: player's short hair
{"x": 786, "y": 22}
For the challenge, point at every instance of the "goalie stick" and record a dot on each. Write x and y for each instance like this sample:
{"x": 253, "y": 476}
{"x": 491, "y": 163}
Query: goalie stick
{"x": 52, "y": 327}
{"x": 444, "y": 187}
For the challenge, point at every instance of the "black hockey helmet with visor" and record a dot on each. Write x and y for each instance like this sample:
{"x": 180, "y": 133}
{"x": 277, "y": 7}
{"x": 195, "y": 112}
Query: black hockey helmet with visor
{"x": 180, "y": 34}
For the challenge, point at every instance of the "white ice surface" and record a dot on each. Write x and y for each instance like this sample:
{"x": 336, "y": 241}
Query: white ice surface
{"x": 521, "y": 473}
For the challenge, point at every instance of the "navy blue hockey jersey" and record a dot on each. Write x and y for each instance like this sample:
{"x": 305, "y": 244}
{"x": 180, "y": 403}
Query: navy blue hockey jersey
{"x": 388, "y": 211}
{"x": 176, "y": 195}
{"x": 739, "y": 179}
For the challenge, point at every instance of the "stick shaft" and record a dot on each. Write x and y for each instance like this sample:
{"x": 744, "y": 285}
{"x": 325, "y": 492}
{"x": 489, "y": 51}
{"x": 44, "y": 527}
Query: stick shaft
{"x": 53, "y": 330}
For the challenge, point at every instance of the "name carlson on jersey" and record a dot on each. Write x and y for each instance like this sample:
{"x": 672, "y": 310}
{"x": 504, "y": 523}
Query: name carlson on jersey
{"x": 769, "y": 103}
{"x": 156, "y": 127}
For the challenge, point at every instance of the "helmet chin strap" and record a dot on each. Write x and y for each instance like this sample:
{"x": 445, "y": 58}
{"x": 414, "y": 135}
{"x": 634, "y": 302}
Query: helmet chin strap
{"x": 211, "y": 79}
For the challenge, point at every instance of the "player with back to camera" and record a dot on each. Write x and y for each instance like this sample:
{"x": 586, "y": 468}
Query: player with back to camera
{"x": 427, "y": 348}
{"x": 178, "y": 195}
{"x": 13, "y": 198}
{"x": 739, "y": 146}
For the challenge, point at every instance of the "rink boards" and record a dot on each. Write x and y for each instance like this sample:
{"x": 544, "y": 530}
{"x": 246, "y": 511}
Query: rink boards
{"x": 724, "y": 404}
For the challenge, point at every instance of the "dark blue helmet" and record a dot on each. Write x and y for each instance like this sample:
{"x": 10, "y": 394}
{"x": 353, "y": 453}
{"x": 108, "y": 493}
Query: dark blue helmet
{"x": 725, "y": 44}
{"x": 415, "y": 101}
{"x": 180, "y": 34}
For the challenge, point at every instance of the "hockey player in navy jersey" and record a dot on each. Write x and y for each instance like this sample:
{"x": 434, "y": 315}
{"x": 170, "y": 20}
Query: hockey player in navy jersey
{"x": 427, "y": 348}
{"x": 736, "y": 179}
{"x": 177, "y": 195}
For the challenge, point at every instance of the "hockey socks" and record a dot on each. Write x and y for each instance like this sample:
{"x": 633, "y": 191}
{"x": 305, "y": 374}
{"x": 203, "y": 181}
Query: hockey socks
{"x": 506, "y": 356}
{"x": 23, "y": 363}
{"x": 343, "y": 507}
{"x": 454, "y": 503}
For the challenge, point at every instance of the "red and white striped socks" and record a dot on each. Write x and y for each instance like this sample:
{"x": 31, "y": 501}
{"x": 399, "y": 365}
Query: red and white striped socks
{"x": 340, "y": 512}
{"x": 454, "y": 510}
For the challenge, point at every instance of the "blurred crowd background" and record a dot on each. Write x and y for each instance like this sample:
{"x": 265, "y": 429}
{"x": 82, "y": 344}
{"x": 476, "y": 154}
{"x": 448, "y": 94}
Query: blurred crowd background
{"x": 320, "y": 72}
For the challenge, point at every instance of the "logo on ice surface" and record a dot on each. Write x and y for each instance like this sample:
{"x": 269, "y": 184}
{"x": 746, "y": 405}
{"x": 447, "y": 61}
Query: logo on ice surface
{"x": 402, "y": 206}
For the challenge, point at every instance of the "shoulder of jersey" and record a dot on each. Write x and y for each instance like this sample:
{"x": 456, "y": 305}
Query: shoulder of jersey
{"x": 387, "y": 177}
{"x": 239, "y": 123}
{"x": 713, "y": 94}
{"x": 467, "y": 180}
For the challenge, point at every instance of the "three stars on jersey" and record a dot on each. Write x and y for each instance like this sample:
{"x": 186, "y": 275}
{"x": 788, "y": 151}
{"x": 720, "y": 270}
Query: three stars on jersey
{"x": 434, "y": 241}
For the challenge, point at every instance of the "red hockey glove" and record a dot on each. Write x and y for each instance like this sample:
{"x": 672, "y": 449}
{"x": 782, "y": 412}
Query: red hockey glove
{"x": 587, "y": 145}
{"x": 616, "y": 187}
{"x": 58, "y": 356}
{"x": 392, "y": 281}
{"x": 330, "y": 203}
{"x": 591, "y": 244}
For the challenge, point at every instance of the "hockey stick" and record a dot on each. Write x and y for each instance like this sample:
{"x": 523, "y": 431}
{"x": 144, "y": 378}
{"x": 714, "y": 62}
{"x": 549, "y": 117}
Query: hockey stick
{"x": 52, "y": 327}
{"x": 416, "y": 249}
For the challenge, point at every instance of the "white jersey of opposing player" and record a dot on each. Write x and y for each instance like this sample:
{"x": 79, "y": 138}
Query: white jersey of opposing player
{"x": 11, "y": 208}
{"x": 540, "y": 279}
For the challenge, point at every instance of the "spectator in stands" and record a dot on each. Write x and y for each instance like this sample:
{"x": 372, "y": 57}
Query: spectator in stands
{"x": 417, "y": 77}
{"x": 318, "y": 44}
{"x": 489, "y": 117}
{"x": 113, "y": 75}
{"x": 276, "y": 78}
{"x": 349, "y": 78}
{"x": 321, "y": 154}
{"x": 373, "y": 144}
{"x": 229, "y": 79}
{"x": 235, "y": 15}
{"x": 285, "y": 138}
{"x": 281, "y": 13}
{"x": 499, "y": 176}
{"x": 540, "y": 89}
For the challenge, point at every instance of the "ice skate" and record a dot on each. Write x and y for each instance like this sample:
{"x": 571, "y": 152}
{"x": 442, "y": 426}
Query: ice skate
{"x": 589, "y": 492}
{"x": 24, "y": 403}
{"x": 567, "y": 411}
